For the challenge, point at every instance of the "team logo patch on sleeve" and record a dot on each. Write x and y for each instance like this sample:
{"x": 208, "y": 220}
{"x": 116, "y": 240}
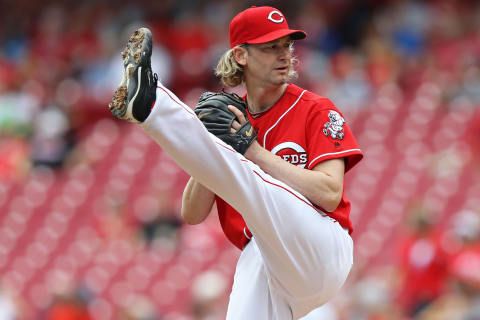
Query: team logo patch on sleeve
{"x": 334, "y": 127}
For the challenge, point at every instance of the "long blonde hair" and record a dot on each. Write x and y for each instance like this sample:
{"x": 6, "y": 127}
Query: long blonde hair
{"x": 231, "y": 73}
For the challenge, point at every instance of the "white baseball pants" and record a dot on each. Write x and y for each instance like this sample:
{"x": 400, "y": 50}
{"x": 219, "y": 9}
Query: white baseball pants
{"x": 298, "y": 258}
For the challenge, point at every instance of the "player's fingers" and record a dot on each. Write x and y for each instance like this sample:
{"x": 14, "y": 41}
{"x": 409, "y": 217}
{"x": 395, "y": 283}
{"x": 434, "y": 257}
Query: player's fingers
{"x": 238, "y": 114}
{"x": 236, "y": 125}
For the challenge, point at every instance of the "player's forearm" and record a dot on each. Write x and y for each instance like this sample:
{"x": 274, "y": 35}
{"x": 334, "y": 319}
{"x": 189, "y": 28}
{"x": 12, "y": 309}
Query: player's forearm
{"x": 319, "y": 187}
{"x": 197, "y": 202}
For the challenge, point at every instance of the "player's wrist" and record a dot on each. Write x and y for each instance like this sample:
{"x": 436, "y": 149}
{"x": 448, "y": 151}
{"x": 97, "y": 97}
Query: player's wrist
{"x": 253, "y": 151}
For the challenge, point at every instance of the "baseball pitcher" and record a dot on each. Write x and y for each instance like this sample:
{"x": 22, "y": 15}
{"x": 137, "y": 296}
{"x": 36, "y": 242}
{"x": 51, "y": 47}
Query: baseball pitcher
{"x": 273, "y": 161}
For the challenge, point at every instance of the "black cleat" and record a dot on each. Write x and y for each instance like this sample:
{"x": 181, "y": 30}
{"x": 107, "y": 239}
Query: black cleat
{"x": 134, "y": 98}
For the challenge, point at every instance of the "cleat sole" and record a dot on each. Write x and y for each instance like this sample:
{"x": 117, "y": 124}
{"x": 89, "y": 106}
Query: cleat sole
{"x": 138, "y": 47}
{"x": 118, "y": 106}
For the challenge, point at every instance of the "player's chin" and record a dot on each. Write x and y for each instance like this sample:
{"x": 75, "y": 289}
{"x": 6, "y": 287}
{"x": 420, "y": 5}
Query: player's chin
{"x": 278, "y": 82}
{"x": 279, "y": 79}
{"x": 282, "y": 80}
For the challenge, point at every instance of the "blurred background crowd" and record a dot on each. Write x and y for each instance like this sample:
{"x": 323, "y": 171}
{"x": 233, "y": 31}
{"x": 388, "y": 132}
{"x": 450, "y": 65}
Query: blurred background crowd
{"x": 89, "y": 206}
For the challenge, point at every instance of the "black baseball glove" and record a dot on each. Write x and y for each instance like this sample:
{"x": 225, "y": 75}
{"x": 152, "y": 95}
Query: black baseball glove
{"x": 212, "y": 110}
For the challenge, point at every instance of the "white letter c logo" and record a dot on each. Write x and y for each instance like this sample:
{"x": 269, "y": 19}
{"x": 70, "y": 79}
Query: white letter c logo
{"x": 271, "y": 18}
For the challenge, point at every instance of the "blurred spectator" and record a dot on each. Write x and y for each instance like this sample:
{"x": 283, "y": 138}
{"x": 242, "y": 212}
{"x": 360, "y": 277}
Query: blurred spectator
{"x": 140, "y": 308}
{"x": 209, "y": 292}
{"x": 465, "y": 261}
{"x": 466, "y": 226}
{"x": 462, "y": 295}
{"x": 164, "y": 228}
{"x": 112, "y": 219}
{"x": 381, "y": 62}
{"x": 372, "y": 297}
{"x": 157, "y": 220}
{"x": 17, "y": 110}
{"x": 68, "y": 307}
{"x": 14, "y": 158}
{"x": 349, "y": 86}
{"x": 52, "y": 139}
{"x": 462, "y": 301}
{"x": 422, "y": 263}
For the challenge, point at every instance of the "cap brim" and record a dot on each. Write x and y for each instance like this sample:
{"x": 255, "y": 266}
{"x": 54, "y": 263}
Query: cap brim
{"x": 277, "y": 34}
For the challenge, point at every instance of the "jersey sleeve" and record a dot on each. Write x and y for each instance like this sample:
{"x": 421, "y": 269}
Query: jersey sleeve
{"x": 330, "y": 137}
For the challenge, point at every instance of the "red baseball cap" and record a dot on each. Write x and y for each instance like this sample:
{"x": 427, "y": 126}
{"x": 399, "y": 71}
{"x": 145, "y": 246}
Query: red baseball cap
{"x": 260, "y": 25}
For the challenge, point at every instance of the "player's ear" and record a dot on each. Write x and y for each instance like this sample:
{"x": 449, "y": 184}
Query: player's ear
{"x": 240, "y": 54}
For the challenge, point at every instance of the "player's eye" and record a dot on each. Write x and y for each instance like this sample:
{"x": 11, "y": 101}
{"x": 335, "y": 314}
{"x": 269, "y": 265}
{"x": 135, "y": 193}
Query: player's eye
{"x": 268, "y": 48}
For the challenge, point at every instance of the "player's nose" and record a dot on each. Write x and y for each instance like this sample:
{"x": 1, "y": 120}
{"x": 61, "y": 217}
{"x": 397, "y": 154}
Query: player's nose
{"x": 284, "y": 52}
